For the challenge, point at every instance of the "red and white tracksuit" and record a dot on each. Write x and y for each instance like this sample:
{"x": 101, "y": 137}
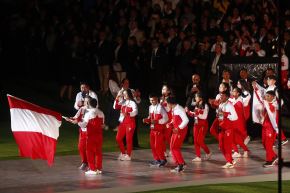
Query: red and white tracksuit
{"x": 240, "y": 130}
{"x": 215, "y": 125}
{"x": 200, "y": 129}
{"x": 274, "y": 88}
{"x": 128, "y": 111}
{"x": 167, "y": 131}
{"x": 179, "y": 121}
{"x": 82, "y": 144}
{"x": 93, "y": 121}
{"x": 226, "y": 116}
{"x": 268, "y": 132}
{"x": 269, "y": 128}
{"x": 157, "y": 119}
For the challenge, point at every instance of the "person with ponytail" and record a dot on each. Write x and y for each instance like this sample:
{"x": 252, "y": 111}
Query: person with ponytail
{"x": 128, "y": 111}
{"x": 200, "y": 127}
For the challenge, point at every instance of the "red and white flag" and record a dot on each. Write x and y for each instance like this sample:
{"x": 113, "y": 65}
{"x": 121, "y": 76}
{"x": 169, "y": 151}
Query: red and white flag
{"x": 35, "y": 129}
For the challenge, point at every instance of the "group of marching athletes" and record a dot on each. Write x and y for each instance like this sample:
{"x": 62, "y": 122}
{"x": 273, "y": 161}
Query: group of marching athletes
{"x": 168, "y": 123}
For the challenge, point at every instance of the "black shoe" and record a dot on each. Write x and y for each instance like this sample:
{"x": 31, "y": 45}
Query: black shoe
{"x": 284, "y": 142}
{"x": 162, "y": 163}
{"x": 178, "y": 169}
{"x": 154, "y": 163}
{"x": 83, "y": 166}
{"x": 267, "y": 164}
{"x": 182, "y": 167}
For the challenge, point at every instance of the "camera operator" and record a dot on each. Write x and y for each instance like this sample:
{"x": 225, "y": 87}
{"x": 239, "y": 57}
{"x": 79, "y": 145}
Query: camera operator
{"x": 85, "y": 91}
{"x": 191, "y": 89}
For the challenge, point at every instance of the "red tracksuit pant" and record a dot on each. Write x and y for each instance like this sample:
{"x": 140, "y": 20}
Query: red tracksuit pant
{"x": 283, "y": 137}
{"x": 199, "y": 133}
{"x": 94, "y": 153}
{"x": 268, "y": 140}
{"x": 82, "y": 146}
{"x": 167, "y": 137}
{"x": 157, "y": 144}
{"x": 175, "y": 145}
{"x": 225, "y": 144}
{"x": 214, "y": 129}
{"x": 239, "y": 137}
{"x": 125, "y": 130}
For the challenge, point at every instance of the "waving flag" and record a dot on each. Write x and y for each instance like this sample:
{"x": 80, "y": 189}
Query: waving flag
{"x": 35, "y": 129}
{"x": 258, "y": 109}
{"x": 258, "y": 106}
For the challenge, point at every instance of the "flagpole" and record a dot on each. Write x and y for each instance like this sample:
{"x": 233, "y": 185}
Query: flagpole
{"x": 280, "y": 161}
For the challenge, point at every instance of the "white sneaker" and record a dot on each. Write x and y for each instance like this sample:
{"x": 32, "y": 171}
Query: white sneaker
{"x": 284, "y": 142}
{"x": 246, "y": 154}
{"x": 126, "y": 157}
{"x": 228, "y": 165}
{"x": 275, "y": 161}
{"x": 91, "y": 172}
{"x": 208, "y": 156}
{"x": 197, "y": 159}
{"x": 235, "y": 161}
{"x": 121, "y": 156}
{"x": 99, "y": 171}
{"x": 174, "y": 170}
{"x": 236, "y": 155}
{"x": 247, "y": 140}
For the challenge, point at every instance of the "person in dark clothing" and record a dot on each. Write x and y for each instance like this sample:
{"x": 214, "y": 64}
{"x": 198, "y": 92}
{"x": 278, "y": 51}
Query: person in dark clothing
{"x": 104, "y": 60}
{"x": 212, "y": 71}
{"x": 131, "y": 66}
{"x": 185, "y": 67}
{"x": 157, "y": 63}
{"x": 191, "y": 89}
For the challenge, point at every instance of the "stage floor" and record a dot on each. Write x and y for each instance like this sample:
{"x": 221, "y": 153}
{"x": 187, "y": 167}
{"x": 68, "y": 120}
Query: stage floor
{"x": 34, "y": 176}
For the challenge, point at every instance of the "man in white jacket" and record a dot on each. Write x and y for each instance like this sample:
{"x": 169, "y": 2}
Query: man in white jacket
{"x": 80, "y": 98}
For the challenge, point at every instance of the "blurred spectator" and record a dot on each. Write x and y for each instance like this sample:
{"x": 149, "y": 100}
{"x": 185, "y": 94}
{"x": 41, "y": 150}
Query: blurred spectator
{"x": 120, "y": 59}
{"x": 284, "y": 69}
{"x": 104, "y": 54}
{"x": 220, "y": 41}
{"x": 112, "y": 115}
{"x": 213, "y": 65}
{"x": 132, "y": 60}
{"x": 185, "y": 68}
{"x": 64, "y": 35}
{"x": 157, "y": 64}
{"x": 226, "y": 78}
{"x": 257, "y": 50}
{"x": 136, "y": 32}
